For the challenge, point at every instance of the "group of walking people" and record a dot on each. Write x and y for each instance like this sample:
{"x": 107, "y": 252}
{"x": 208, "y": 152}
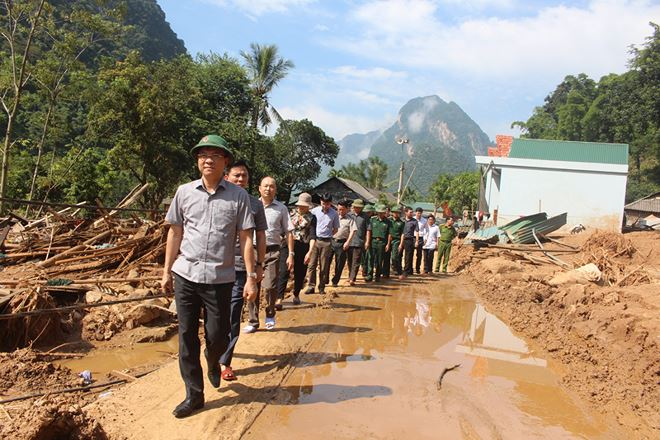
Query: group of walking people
{"x": 225, "y": 246}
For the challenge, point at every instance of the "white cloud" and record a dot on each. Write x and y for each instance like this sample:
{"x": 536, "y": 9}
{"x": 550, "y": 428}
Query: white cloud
{"x": 321, "y": 28}
{"x": 336, "y": 125}
{"x": 373, "y": 73}
{"x": 558, "y": 40}
{"x": 260, "y": 7}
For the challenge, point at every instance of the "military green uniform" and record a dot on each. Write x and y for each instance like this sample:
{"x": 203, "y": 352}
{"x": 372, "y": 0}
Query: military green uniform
{"x": 380, "y": 233}
{"x": 447, "y": 234}
{"x": 396, "y": 231}
{"x": 367, "y": 255}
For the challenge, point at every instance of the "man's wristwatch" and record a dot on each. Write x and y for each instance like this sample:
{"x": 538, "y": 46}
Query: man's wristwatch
{"x": 252, "y": 275}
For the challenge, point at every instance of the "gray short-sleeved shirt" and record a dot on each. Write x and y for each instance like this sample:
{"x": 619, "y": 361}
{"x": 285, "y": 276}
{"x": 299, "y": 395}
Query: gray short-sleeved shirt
{"x": 363, "y": 225}
{"x": 211, "y": 223}
{"x": 346, "y": 225}
{"x": 260, "y": 224}
{"x": 279, "y": 223}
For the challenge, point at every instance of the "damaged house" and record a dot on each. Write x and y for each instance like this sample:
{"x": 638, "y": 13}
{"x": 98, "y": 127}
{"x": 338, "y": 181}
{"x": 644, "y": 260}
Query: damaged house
{"x": 584, "y": 179}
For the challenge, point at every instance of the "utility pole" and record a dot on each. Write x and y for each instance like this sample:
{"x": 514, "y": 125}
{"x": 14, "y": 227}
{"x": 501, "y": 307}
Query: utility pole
{"x": 399, "y": 191}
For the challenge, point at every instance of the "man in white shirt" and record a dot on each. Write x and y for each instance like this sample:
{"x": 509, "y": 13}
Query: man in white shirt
{"x": 430, "y": 243}
{"x": 419, "y": 245}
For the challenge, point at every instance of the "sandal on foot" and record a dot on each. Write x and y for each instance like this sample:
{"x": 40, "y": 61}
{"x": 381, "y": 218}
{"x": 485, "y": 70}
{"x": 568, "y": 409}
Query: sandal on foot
{"x": 228, "y": 374}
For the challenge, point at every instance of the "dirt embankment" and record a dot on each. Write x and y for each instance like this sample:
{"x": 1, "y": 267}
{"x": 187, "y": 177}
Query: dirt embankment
{"x": 604, "y": 330}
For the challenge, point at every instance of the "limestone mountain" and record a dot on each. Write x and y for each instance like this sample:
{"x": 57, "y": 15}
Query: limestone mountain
{"x": 355, "y": 147}
{"x": 147, "y": 29}
{"x": 442, "y": 138}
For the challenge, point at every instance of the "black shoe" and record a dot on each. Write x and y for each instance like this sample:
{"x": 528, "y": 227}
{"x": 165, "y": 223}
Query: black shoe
{"x": 188, "y": 406}
{"x": 213, "y": 371}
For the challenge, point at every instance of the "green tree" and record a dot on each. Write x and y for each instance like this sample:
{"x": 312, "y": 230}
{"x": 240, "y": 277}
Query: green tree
{"x": 265, "y": 69}
{"x": 20, "y": 23}
{"x": 439, "y": 188}
{"x": 464, "y": 190}
{"x": 334, "y": 172}
{"x": 370, "y": 172}
{"x": 146, "y": 117}
{"x": 300, "y": 148}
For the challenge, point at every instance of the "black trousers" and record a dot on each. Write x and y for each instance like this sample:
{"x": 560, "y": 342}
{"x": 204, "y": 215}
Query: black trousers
{"x": 190, "y": 297}
{"x": 236, "y": 308}
{"x": 408, "y": 249}
{"x": 354, "y": 261}
{"x": 419, "y": 251}
{"x": 428, "y": 260}
{"x": 299, "y": 267}
{"x": 340, "y": 259}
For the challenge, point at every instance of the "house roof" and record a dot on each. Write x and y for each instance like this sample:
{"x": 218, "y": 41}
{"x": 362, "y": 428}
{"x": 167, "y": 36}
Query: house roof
{"x": 369, "y": 195}
{"x": 647, "y": 204}
{"x": 570, "y": 151}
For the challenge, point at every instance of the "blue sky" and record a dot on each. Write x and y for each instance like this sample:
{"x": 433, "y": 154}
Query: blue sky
{"x": 358, "y": 62}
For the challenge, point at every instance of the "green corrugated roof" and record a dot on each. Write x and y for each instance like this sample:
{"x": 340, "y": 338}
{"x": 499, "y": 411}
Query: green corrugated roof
{"x": 569, "y": 151}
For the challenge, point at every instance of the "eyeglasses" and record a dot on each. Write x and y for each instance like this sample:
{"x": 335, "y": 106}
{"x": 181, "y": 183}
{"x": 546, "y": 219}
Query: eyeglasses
{"x": 214, "y": 157}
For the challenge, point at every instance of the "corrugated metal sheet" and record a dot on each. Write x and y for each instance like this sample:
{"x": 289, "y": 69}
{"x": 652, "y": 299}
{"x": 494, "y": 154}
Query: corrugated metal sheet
{"x": 569, "y": 151}
{"x": 524, "y": 234}
{"x": 647, "y": 204}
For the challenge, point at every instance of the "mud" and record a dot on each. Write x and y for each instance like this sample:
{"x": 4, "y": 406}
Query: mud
{"x": 605, "y": 334}
{"x": 382, "y": 382}
{"x": 52, "y": 418}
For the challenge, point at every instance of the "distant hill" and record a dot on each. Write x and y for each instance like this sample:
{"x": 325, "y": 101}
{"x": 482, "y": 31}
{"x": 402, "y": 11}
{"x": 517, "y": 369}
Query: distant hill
{"x": 150, "y": 33}
{"x": 442, "y": 139}
{"x": 352, "y": 148}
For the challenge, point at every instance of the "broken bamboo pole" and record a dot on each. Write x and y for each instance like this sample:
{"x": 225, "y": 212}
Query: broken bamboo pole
{"x": 54, "y": 259}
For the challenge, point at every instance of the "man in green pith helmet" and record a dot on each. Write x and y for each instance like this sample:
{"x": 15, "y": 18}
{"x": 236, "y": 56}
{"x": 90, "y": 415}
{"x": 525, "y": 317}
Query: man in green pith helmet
{"x": 380, "y": 240}
{"x": 206, "y": 217}
{"x": 367, "y": 257}
{"x": 397, "y": 232}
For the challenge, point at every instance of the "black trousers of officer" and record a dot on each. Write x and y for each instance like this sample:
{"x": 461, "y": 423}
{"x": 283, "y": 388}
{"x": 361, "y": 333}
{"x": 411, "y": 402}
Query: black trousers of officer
{"x": 190, "y": 298}
{"x": 419, "y": 251}
{"x": 408, "y": 249}
{"x": 299, "y": 267}
{"x": 340, "y": 259}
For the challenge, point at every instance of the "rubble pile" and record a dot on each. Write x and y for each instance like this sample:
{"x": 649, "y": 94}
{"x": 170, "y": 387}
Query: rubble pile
{"x": 64, "y": 260}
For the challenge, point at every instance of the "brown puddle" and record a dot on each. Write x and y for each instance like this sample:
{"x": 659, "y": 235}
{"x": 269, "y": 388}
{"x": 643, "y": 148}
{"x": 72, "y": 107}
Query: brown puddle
{"x": 104, "y": 360}
{"x": 376, "y": 374}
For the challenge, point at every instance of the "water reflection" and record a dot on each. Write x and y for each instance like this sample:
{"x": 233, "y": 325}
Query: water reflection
{"x": 488, "y": 337}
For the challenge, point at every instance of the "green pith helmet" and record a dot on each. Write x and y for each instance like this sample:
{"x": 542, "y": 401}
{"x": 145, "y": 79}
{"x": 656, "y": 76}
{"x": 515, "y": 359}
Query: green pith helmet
{"x": 379, "y": 208}
{"x": 358, "y": 203}
{"x": 213, "y": 140}
{"x": 369, "y": 208}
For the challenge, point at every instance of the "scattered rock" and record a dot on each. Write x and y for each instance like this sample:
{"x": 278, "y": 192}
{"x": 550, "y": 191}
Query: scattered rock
{"x": 582, "y": 275}
{"x": 500, "y": 265}
{"x": 93, "y": 296}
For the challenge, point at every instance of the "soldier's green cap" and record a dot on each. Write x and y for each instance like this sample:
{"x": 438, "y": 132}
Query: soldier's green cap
{"x": 358, "y": 203}
{"x": 379, "y": 208}
{"x": 215, "y": 141}
{"x": 369, "y": 208}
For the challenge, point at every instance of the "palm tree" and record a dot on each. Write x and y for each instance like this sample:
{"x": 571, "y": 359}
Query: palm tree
{"x": 265, "y": 69}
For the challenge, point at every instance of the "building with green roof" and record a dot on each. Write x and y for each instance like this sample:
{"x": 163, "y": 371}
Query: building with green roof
{"x": 525, "y": 176}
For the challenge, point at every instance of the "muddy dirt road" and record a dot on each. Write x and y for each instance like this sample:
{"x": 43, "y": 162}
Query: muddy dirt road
{"x": 368, "y": 367}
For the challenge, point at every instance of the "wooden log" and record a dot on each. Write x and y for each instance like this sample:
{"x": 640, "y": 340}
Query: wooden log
{"x": 52, "y": 260}
{"x": 123, "y": 204}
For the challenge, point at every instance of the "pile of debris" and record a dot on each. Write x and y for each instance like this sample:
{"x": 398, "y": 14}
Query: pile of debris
{"x": 67, "y": 262}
